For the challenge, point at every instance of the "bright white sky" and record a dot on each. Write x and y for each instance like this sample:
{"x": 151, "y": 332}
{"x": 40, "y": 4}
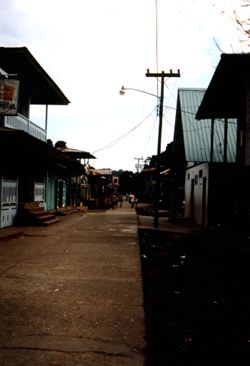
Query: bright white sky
{"x": 92, "y": 48}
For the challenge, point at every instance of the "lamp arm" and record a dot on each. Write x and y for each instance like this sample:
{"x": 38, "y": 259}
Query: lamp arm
{"x": 123, "y": 89}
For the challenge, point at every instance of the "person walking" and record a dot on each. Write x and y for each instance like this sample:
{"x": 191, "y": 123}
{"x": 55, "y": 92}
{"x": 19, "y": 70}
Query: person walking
{"x": 120, "y": 200}
{"x": 132, "y": 200}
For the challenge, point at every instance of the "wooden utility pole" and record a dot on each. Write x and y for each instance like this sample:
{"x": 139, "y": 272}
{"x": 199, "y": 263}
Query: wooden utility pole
{"x": 161, "y": 75}
{"x": 138, "y": 164}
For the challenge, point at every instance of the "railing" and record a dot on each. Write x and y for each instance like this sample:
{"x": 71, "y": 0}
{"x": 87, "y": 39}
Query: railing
{"x": 21, "y": 122}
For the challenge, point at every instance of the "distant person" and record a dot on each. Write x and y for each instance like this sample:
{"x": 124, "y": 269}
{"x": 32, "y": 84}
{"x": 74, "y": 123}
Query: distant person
{"x": 120, "y": 200}
{"x": 132, "y": 201}
{"x": 136, "y": 202}
{"x": 114, "y": 201}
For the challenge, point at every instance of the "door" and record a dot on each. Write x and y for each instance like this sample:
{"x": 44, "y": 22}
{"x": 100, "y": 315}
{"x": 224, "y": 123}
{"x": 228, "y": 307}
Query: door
{"x": 61, "y": 193}
{"x": 204, "y": 201}
{"x": 39, "y": 192}
{"x": 192, "y": 200}
{"x": 9, "y": 200}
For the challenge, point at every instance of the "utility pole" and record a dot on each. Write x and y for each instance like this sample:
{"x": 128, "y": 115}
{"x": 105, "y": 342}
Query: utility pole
{"x": 138, "y": 164}
{"x": 161, "y": 75}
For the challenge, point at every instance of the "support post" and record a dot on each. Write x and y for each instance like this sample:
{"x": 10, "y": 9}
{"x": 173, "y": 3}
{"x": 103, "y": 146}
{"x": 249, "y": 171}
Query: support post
{"x": 212, "y": 141}
{"x": 46, "y": 120}
{"x": 225, "y": 140}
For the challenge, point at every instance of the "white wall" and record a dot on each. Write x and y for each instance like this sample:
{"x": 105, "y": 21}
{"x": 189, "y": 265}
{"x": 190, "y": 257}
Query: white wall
{"x": 195, "y": 207}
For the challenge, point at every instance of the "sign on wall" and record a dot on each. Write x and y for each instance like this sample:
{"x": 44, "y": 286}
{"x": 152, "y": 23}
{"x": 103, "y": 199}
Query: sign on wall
{"x": 8, "y": 97}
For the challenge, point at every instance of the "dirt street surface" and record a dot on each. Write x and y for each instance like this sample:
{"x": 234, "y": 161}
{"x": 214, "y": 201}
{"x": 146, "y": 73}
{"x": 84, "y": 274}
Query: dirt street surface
{"x": 71, "y": 293}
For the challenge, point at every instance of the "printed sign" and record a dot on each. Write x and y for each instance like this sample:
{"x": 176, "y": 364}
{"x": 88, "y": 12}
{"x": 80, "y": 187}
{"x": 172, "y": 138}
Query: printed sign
{"x": 8, "y": 97}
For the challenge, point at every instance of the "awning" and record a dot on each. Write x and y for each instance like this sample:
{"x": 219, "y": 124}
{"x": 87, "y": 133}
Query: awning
{"x": 76, "y": 154}
{"x": 20, "y": 152}
{"x": 165, "y": 172}
{"x": 99, "y": 172}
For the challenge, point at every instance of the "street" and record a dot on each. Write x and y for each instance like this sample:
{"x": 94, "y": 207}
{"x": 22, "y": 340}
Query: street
{"x": 71, "y": 293}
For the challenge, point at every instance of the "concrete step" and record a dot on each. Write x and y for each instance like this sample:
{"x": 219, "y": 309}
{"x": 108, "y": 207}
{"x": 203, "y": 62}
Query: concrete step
{"x": 37, "y": 212}
{"x": 45, "y": 217}
{"x": 70, "y": 210}
{"x": 51, "y": 221}
{"x": 32, "y": 214}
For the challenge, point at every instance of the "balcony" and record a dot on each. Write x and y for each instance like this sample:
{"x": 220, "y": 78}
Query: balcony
{"x": 21, "y": 122}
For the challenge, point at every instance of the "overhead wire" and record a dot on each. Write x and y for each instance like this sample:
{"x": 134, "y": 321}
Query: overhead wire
{"x": 168, "y": 122}
{"x": 156, "y": 45}
{"x": 114, "y": 142}
{"x": 150, "y": 135}
{"x": 157, "y": 86}
{"x": 172, "y": 89}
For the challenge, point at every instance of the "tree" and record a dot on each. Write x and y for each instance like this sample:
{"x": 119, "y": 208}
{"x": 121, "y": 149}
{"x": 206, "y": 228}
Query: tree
{"x": 60, "y": 144}
{"x": 126, "y": 181}
{"x": 243, "y": 23}
{"x": 237, "y": 14}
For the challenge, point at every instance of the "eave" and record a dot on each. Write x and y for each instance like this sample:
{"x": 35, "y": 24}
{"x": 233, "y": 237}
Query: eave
{"x": 42, "y": 89}
{"x": 225, "y": 95}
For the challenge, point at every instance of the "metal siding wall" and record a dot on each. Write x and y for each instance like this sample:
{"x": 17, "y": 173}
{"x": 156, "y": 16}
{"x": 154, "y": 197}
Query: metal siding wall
{"x": 197, "y": 134}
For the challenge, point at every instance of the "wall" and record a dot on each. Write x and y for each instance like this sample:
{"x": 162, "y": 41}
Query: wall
{"x": 8, "y": 201}
{"x": 247, "y": 128}
{"x": 196, "y": 193}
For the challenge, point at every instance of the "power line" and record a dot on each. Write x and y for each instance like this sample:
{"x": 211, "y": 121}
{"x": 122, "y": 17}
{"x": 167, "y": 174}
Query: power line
{"x": 150, "y": 135}
{"x": 156, "y": 42}
{"x": 114, "y": 142}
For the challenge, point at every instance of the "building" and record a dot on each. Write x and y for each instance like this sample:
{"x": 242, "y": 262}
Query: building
{"x": 228, "y": 96}
{"x": 197, "y": 164}
{"x": 208, "y": 163}
{"x": 32, "y": 172}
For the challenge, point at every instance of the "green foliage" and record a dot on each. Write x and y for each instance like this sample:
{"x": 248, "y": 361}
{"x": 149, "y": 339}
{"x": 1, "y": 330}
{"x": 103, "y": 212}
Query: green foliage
{"x": 60, "y": 144}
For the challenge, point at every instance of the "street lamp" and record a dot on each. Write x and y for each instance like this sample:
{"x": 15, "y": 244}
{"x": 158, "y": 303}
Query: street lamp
{"x": 123, "y": 90}
{"x": 157, "y": 185}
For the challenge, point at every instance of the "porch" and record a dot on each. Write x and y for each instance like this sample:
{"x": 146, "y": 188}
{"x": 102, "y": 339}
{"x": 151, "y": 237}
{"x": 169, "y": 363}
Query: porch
{"x": 20, "y": 122}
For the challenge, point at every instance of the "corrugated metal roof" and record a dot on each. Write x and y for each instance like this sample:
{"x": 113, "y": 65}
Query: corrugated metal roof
{"x": 197, "y": 134}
